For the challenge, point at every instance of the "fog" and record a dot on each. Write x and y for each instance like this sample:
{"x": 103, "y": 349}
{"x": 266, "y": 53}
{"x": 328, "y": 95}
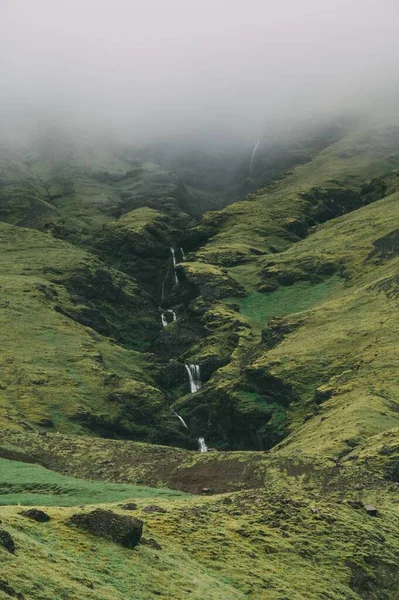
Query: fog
{"x": 161, "y": 67}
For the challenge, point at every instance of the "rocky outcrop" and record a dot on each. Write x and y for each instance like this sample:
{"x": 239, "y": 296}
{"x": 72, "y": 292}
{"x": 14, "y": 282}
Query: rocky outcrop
{"x": 6, "y": 541}
{"x": 153, "y": 508}
{"x": 36, "y": 515}
{"x": 212, "y": 282}
{"x": 122, "y": 530}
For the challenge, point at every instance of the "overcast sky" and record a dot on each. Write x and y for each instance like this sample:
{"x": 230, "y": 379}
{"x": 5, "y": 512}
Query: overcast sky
{"x": 158, "y": 65}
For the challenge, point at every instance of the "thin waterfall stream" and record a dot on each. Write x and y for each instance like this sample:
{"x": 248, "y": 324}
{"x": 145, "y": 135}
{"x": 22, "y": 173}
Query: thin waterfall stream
{"x": 164, "y": 320}
{"x": 251, "y": 163}
{"x": 172, "y": 251}
{"x": 193, "y": 370}
{"x": 194, "y": 377}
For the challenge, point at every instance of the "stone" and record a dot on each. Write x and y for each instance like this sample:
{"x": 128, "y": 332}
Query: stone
{"x": 6, "y": 541}
{"x": 36, "y": 515}
{"x": 242, "y": 533}
{"x": 10, "y": 591}
{"x": 128, "y": 506}
{"x": 46, "y": 423}
{"x": 120, "y": 529}
{"x": 152, "y": 508}
{"x": 371, "y": 510}
{"x": 151, "y": 543}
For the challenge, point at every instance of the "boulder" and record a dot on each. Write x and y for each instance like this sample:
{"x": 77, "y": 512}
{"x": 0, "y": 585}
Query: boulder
{"x": 151, "y": 543}
{"x": 6, "y": 541}
{"x": 128, "y": 506}
{"x": 371, "y": 510}
{"x": 36, "y": 515}
{"x": 122, "y": 530}
{"x": 152, "y": 508}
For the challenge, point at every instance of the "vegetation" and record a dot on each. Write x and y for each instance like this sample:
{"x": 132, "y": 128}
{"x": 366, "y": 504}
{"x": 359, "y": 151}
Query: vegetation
{"x": 286, "y": 300}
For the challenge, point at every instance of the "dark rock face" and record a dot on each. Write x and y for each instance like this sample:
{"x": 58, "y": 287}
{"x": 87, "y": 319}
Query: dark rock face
{"x": 122, "y": 530}
{"x": 321, "y": 395}
{"x": 152, "y": 508}
{"x": 386, "y": 247}
{"x": 6, "y": 541}
{"x": 277, "y": 329}
{"x": 36, "y": 515}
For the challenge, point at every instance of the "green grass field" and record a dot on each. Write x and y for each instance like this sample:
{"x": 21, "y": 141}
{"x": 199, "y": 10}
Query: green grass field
{"x": 32, "y": 485}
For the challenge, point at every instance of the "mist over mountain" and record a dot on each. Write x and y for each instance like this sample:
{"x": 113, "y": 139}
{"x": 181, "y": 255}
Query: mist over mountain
{"x": 146, "y": 70}
{"x": 199, "y": 286}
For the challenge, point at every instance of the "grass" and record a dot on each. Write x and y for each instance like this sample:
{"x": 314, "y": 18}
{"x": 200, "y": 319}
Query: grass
{"x": 259, "y": 308}
{"x": 26, "y": 484}
{"x": 291, "y": 539}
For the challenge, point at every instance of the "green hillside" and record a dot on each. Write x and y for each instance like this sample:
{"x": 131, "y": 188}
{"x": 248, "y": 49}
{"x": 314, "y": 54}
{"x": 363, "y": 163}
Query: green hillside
{"x": 115, "y": 277}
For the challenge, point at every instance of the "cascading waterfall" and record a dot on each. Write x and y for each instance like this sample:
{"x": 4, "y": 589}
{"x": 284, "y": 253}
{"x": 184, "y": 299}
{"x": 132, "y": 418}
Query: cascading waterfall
{"x": 202, "y": 447}
{"x": 164, "y": 320}
{"x": 194, "y": 377}
{"x": 251, "y": 163}
{"x": 182, "y": 421}
{"x": 172, "y": 251}
{"x": 183, "y": 256}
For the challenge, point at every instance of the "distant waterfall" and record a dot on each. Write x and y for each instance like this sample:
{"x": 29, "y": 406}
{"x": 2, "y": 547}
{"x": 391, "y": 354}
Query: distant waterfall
{"x": 251, "y": 163}
{"x": 202, "y": 447}
{"x": 165, "y": 322}
{"x": 194, "y": 377}
{"x": 182, "y": 421}
{"x": 183, "y": 256}
{"x": 172, "y": 251}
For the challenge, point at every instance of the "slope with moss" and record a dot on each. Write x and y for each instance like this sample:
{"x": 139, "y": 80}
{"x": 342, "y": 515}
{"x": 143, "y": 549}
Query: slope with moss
{"x": 71, "y": 328}
{"x": 311, "y": 309}
{"x": 297, "y": 529}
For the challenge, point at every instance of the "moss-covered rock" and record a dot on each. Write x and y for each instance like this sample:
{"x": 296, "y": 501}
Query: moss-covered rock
{"x": 122, "y": 530}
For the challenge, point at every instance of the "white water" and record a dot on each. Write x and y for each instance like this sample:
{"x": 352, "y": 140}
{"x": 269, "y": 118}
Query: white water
{"x": 182, "y": 254}
{"x": 172, "y": 251}
{"x": 202, "y": 447}
{"x": 194, "y": 377}
{"x": 253, "y": 156}
{"x": 165, "y": 321}
{"x": 182, "y": 421}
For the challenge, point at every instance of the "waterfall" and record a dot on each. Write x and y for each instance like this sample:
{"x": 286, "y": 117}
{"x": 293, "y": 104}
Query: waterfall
{"x": 163, "y": 291}
{"x": 182, "y": 421}
{"x": 165, "y": 321}
{"x": 172, "y": 251}
{"x": 194, "y": 377}
{"x": 183, "y": 256}
{"x": 251, "y": 163}
{"x": 202, "y": 447}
